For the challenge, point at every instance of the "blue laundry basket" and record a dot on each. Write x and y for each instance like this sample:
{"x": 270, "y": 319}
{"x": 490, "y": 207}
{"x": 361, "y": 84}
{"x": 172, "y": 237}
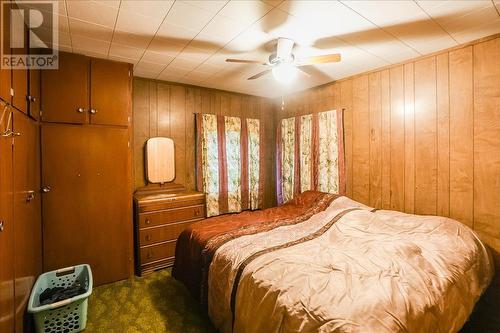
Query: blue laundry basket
{"x": 66, "y": 316}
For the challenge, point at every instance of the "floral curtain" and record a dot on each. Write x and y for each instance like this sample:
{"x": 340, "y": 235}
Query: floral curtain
{"x": 317, "y": 140}
{"x": 229, "y": 166}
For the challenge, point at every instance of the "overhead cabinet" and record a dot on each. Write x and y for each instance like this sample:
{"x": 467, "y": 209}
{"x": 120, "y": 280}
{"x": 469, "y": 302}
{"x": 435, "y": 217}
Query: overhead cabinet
{"x": 87, "y": 91}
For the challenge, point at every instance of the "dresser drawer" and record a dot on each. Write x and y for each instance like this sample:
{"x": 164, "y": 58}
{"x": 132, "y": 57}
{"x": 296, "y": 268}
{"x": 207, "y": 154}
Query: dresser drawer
{"x": 157, "y": 252}
{"x": 171, "y": 215}
{"x": 162, "y": 233}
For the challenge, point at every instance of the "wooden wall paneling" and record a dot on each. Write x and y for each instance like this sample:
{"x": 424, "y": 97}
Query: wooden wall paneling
{"x": 27, "y": 213}
{"x": 7, "y": 234}
{"x": 178, "y": 130}
{"x": 425, "y": 137}
{"x": 153, "y": 109}
{"x": 385, "y": 100}
{"x": 397, "y": 138}
{"x": 336, "y": 96}
{"x": 141, "y": 127}
{"x": 487, "y": 143}
{"x": 360, "y": 140}
{"x": 409, "y": 128}
{"x": 443, "y": 135}
{"x": 193, "y": 103}
{"x": 461, "y": 135}
{"x": 226, "y": 105}
{"x": 235, "y": 105}
{"x": 375, "y": 147}
{"x": 162, "y": 123}
{"x": 346, "y": 103}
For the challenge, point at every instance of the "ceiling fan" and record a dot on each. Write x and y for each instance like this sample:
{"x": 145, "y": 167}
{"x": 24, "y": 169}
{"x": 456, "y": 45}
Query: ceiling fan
{"x": 283, "y": 63}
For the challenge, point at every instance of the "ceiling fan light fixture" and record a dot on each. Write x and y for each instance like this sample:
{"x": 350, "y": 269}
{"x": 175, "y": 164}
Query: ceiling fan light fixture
{"x": 285, "y": 72}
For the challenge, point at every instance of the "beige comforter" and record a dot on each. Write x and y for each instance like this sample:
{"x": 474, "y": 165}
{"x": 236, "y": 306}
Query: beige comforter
{"x": 350, "y": 269}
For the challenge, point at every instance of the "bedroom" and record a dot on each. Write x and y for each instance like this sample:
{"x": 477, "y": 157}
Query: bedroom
{"x": 250, "y": 166}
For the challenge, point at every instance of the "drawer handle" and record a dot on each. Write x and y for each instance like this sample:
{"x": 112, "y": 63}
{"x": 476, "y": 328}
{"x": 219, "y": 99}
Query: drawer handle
{"x": 148, "y": 256}
{"x": 80, "y": 110}
{"x": 148, "y": 237}
{"x": 148, "y": 221}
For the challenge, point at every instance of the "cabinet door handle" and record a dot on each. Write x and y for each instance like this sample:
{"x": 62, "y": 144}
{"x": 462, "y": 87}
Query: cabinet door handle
{"x": 1, "y": 226}
{"x": 93, "y": 111}
{"x": 31, "y": 196}
{"x": 46, "y": 189}
{"x": 80, "y": 110}
{"x": 33, "y": 99}
{"x": 147, "y": 221}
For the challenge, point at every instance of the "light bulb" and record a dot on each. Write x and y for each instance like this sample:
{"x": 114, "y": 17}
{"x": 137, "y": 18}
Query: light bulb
{"x": 284, "y": 72}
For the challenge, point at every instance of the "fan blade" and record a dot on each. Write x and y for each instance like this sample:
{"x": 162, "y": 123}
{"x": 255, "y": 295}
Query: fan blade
{"x": 245, "y": 61}
{"x": 318, "y": 59}
{"x": 256, "y": 76}
{"x": 284, "y": 48}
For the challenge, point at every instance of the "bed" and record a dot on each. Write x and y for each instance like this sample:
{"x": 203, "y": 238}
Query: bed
{"x": 331, "y": 264}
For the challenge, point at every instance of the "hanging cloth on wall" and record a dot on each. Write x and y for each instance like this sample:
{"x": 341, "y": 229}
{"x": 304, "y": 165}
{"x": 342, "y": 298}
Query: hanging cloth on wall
{"x": 310, "y": 154}
{"x": 229, "y": 163}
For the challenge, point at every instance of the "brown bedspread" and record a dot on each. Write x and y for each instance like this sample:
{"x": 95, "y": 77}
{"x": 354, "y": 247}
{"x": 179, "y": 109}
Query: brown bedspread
{"x": 197, "y": 244}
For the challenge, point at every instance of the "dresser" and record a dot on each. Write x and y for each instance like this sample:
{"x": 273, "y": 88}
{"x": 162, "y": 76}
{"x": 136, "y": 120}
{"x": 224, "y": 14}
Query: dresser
{"x": 159, "y": 220}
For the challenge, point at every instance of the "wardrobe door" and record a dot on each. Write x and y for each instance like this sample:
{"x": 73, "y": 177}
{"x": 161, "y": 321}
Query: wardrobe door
{"x": 27, "y": 227}
{"x": 6, "y": 230}
{"x": 65, "y": 93}
{"x": 5, "y": 73}
{"x": 34, "y": 94}
{"x": 108, "y": 203}
{"x": 110, "y": 91}
{"x": 66, "y": 232}
{"x": 87, "y": 213}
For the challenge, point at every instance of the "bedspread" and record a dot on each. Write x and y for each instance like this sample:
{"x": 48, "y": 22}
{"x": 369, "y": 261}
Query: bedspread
{"x": 350, "y": 269}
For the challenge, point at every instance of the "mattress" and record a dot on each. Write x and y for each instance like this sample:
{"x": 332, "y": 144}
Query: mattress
{"x": 197, "y": 244}
{"x": 347, "y": 268}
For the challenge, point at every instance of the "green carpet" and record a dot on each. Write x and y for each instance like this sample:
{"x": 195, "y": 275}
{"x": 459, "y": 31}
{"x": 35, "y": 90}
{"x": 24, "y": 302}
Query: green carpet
{"x": 154, "y": 303}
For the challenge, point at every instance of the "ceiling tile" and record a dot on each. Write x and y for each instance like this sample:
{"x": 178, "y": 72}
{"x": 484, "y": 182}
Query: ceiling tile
{"x": 149, "y": 66}
{"x": 173, "y": 34}
{"x": 167, "y": 76}
{"x": 184, "y": 63}
{"x": 137, "y": 24}
{"x": 245, "y": 12}
{"x": 97, "y": 12}
{"x": 156, "y": 57}
{"x": 147, "y": 8}
{"x": 158, "y": 45}
{"x": 209, "y": 69}
{"x": 223, "y": 27}
{"x": 131, "y": 39}
{"x": 174, "y": 70}
{"x": 86, "y": 29}
{"x": 125, "y": 51}
{"x": 89, "y": 44}
{"x": 190, "y": 17}
{"x": 122, "y": 59}
{"x": 212, "y": 6}
{"x": 412, "y": 25}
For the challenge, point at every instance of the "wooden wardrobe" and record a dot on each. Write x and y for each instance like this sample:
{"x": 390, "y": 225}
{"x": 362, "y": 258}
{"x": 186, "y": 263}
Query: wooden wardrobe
{"x": 20, "y": 200}
{"x": 86, "y": 166}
